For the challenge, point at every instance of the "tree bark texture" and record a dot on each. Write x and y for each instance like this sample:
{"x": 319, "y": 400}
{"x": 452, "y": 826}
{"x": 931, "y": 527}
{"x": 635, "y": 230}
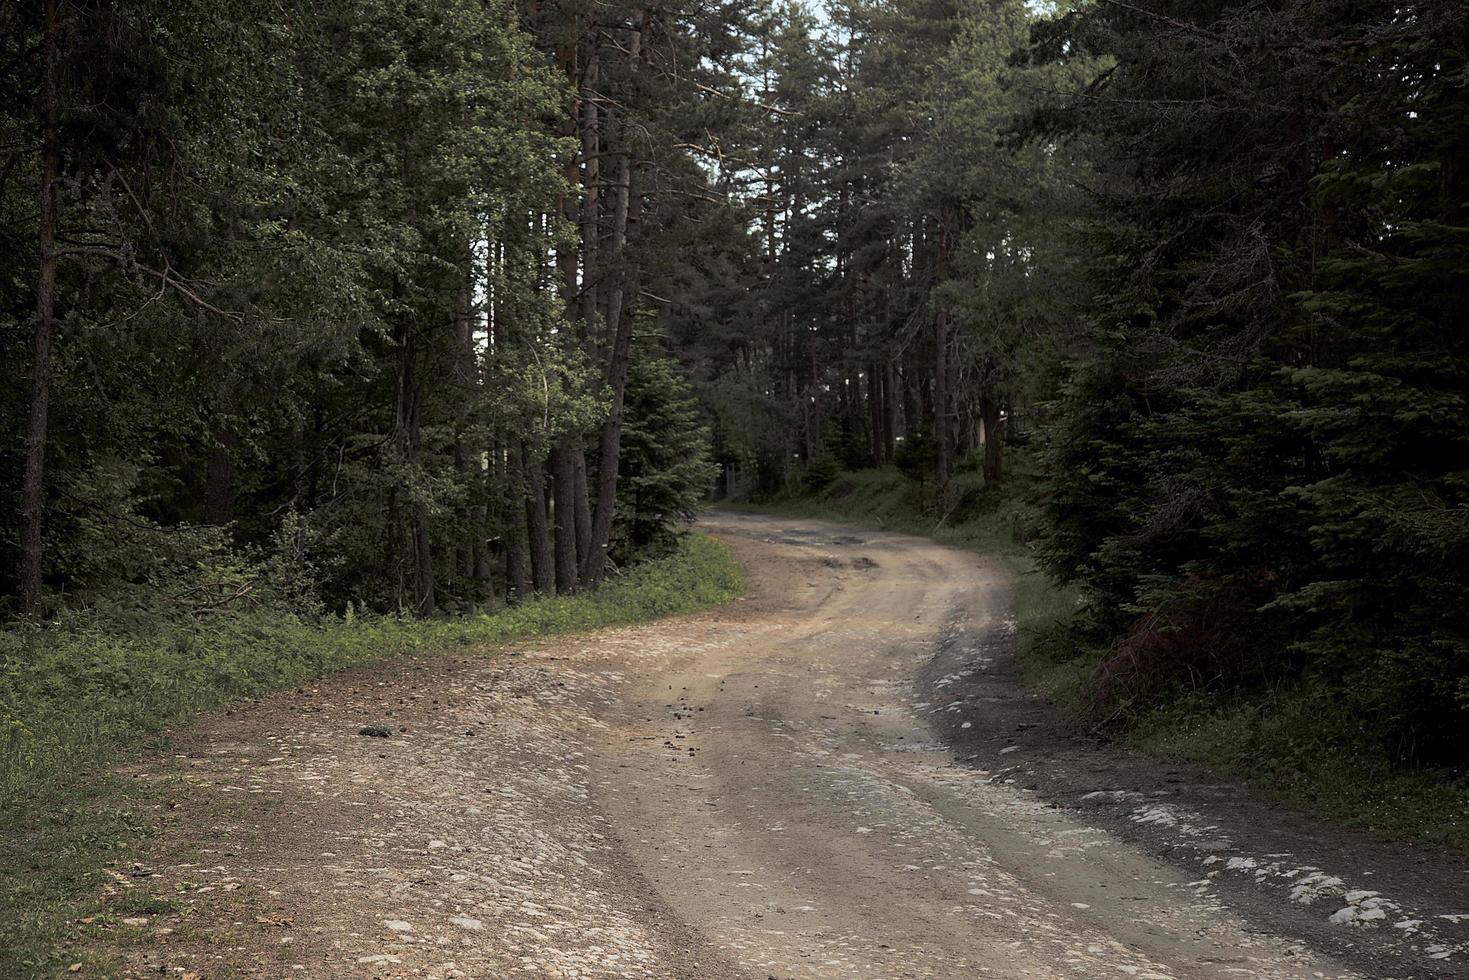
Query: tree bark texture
{"x": 417, "y": 541}
{"x": 563, "y": 488}
{"x": 994, "y": 441}
{"x": 542, "y": 564}
{"x": 33, "y": 487}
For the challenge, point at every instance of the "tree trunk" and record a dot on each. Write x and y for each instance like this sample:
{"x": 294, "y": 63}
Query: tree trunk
{"x": 563, "y": 484}
{"x": 484, "y": 581}
{"x": 966, "y": 431}
{"x": 874, "y": 413}
{"x": 591, "y": 183}
{"x": 562, "y": 465}
{"x": 889, "y": 410}
{"x": 423, "y": 560}
{"x": 941, "y": 398}
{"x": 33, "y": 487}
{"x": 473, "y": 548}
{"x": 994, "y": 443}
{"x": 583, "y": 507}
{"x": 417, "y": 543}
{"x": 621, "y": 314}
{"x": 543, "y": 569}
{"x": 517, "y": 575}
{"x": 941, "y": 370}
{"x": 619, "y": 326}
{"x": 566, "y": 204}
{"x": 507, "y": 467}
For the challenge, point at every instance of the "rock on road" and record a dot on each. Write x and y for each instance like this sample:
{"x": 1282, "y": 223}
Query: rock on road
{"x": 755, "y": 792}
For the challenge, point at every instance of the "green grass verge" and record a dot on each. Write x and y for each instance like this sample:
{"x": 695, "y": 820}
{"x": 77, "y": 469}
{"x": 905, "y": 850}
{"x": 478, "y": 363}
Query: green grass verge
{"x": 74, "y": 695}
{"x": 1297, "y": 744}
{"x": 1294, "y": 743}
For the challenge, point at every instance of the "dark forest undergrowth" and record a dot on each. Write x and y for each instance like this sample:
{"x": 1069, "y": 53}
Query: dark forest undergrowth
{"x": 1291, "y": 740}
{"x": 79, "y": 695}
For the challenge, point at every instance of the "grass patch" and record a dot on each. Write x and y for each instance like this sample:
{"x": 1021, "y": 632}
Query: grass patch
{"x": 75, "y": 693}
{"x": 57, "y": 842}
{"x": 1295, "y": 743}
{"x": 970, "y": 515}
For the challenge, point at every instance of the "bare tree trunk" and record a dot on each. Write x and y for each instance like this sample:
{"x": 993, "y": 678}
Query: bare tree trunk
{"x": 813, "y": 387}
{"x": 33, "y": 488}
{"x": 468, "y": 461}
{"x": 874, "y": 413}
{"x": 423, "y": 559}
{"x": 583, "y": 514}
{"x": 543, "y": 570}
{"x": 484, "y": 581}
{"x": 517, "y": 575}
{"x": 461, "y": 564}
{"x": 621, "y": 316}
{"x": 619, "y": 326}
{"x": 941, "y": 398}
{"x": 507, "y": 468}
{"x": 890, "y": 410}
{"x": 941, "y": 376}
{"x": 563, "y": 484}
{"x": 591, "y": 229}
{"x": 417, "y": 540}
{"x": 562, "y": 465}
{"x": 994, "y": 443}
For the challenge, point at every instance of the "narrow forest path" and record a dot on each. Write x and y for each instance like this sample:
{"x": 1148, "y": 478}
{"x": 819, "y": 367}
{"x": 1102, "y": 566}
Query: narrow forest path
{"x": 813, "y": 782}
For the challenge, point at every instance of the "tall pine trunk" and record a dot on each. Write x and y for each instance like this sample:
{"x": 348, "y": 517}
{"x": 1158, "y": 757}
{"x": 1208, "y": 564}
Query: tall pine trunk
{"x": 941, "y": 376}
{"x": 517, "y": 574}
{"x": 542, "y": 564}
{"x": 889, "y": 410}
{"x": 563, "y": 489}
{"x": 583, "y": 515}
{"x": 620, "y": 314}
{"x": 591, "y": 229}
{"x": 416, "y": 536}
{"x": 562, "y": 463}
{"x": 874, "y": 413}
{"x": 473, "y": 548}
{"x": 590, "y": 221}
{"x": 33, "y": 488}
{"x": 994, "y": 444}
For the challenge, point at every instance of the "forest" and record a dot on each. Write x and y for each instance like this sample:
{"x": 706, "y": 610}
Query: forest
{"x": 408, "y": 312}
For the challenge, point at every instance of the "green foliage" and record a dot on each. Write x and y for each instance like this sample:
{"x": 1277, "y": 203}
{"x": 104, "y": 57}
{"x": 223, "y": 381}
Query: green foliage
{"x": 664, "y": 469}
{"x": 995, "y": 519}
{"x": 71, "y": 831}
{"x": 93, "y": 680}
{"x": 916, "y": 453}
{"x": 74, "y": 693}
{"x": 820, "y": 473}
{"x": 1270, "y": 398}
{"x": 269, "y": 215}
{"x": 1303, "y": 742}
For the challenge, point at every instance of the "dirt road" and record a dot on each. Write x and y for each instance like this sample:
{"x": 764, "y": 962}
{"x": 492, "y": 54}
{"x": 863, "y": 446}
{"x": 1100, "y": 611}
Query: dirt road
{"x": 771, "y": 790}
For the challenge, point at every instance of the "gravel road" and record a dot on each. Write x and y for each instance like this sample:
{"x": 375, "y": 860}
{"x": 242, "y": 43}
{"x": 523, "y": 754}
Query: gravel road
{"x": 793, "y": 786}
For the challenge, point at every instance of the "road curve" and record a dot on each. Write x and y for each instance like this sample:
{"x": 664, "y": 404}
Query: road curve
{"x": 754, "y": 792}
{"x": 777, "y": 786}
